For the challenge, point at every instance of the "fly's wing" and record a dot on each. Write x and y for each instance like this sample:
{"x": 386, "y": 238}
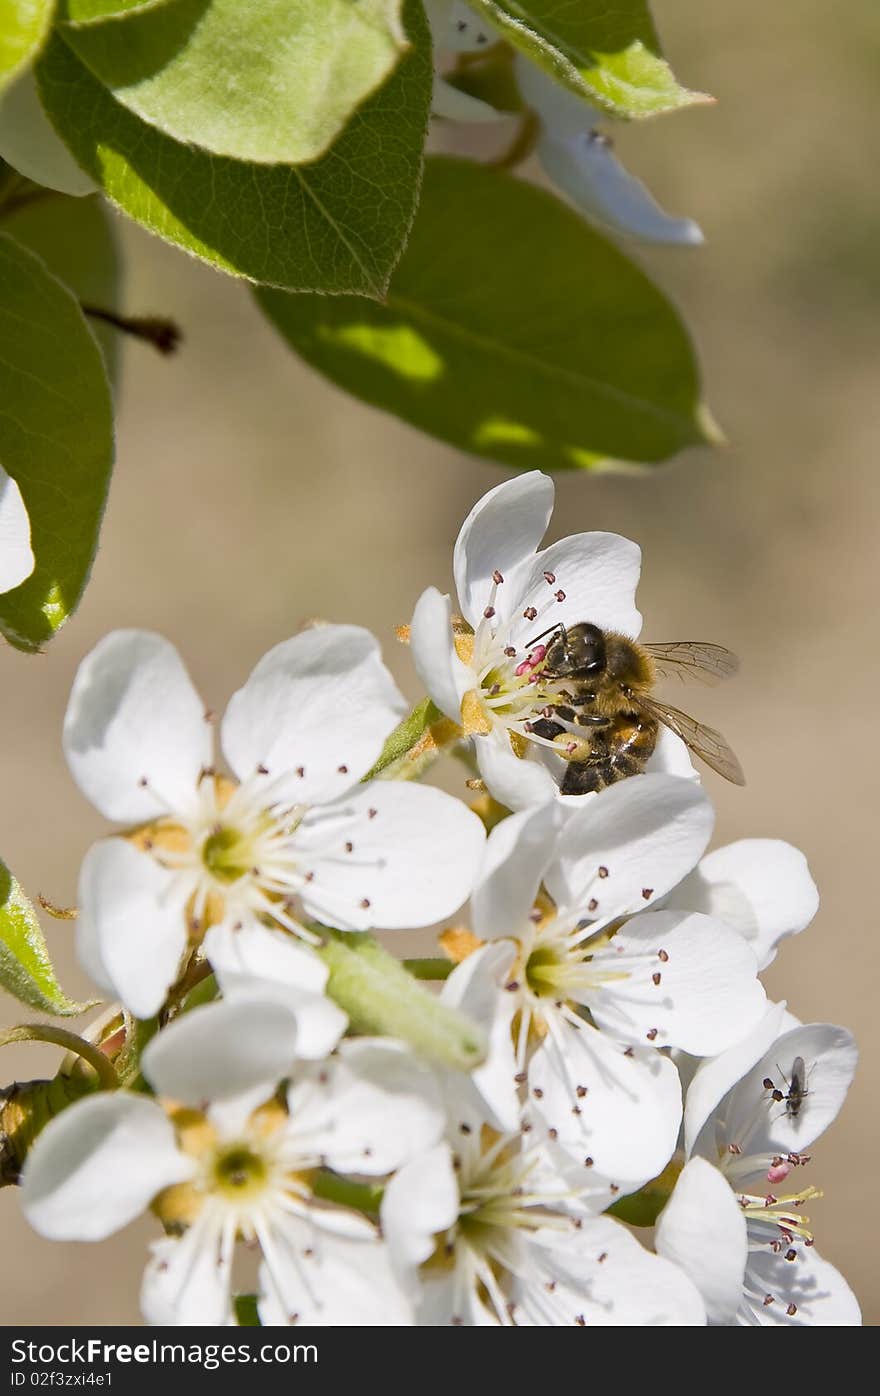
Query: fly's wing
{"x": 703, "y": 741}
{"x": 693, "y": 659}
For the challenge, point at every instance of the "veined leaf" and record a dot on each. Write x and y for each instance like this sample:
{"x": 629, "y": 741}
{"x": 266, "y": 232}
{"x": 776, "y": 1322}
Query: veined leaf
{"x": 272, "y": 81}
{"x": 608, "y": 54}
{"x": 24, "y": 25}
{"x": 513, "y": 330}
{"x": 56, "y": 440}
{"x": 25, "y": 967}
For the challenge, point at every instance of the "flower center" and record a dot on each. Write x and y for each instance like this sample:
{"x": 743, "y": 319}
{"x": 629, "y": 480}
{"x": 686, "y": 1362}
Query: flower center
{"x": 239, "y": 1172}
{"x": 227, "y": 854}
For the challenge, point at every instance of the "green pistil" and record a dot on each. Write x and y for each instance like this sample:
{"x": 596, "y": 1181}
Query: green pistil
{"x": 239, "y": 1172}
{"x": 225, "y": 854}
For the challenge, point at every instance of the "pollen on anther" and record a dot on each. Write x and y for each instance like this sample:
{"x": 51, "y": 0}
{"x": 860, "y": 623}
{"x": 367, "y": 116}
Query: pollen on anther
{"x": 791, "y": 1310}
{"x": 512, "y": 986}
{"x": 553, "y": 1133}
{"x": 349, "y": 847}
{"x": 538, "y": 1093}
{"x": 300, "y": 770}
{"x": 143, "y": 782}
{"x": 656, "y": 977}
{"x": 592, "y": 904}
{"x": 580, "y": 1320}
{"x": 464, "y": 1128}
{"x": 342, "y": 770}
{"x": 769, "y": 1299}
{"x": 365, "y": 902}
{"x": 613, "y": 1188}
{"x": 489, "y": 612}
{"x": 588, "y": 1162}
{"x": 602, "y": 1258}
{"x": 663, "y": 956}
{"x": 603, "y": 872}
{"x": 530, "y": 613}
{"x": 510, "y": 651}
{"x": 651, "y": 1034}
{"x": 791, "y": 1253}
{"x": 580, "y": 1092}
{"x": 497, "y": 577}
{"x": 647, "y": 893}
{"x": 767, "y": 1083}
{"x": 371, "y": 813}
{"x": 550, "y": 578}
{"x": 560, "y": 596}
{"x": 262, "y": 770}
{"x": 520, "y": 1077}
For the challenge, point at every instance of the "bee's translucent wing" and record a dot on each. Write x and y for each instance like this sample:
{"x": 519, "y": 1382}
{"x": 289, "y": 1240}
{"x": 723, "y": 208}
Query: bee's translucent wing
{"x": 695, "y": 659}
{"x": 703, "y": 741}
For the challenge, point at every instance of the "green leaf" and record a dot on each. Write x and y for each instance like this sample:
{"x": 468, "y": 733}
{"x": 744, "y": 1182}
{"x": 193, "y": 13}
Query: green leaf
{"x": 25, "y": 967}
{"x": 56, "y": 440}
{"x": 76, "y": 239}
{"x": 273, "y": 81}
{"x": 337, "y": 225}
{"x": 547, "y": 348}
{"x": 87, "y": 11}
{"x": 608, "y": 54}
{"x": 24, "y": 25}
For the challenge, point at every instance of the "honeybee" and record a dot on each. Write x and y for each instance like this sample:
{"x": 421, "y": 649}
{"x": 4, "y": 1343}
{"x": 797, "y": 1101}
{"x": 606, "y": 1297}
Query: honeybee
{"x": 605, "y": 720}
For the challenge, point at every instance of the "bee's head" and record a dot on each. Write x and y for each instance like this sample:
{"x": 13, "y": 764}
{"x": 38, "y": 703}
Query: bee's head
{"x": 576, "y": 652}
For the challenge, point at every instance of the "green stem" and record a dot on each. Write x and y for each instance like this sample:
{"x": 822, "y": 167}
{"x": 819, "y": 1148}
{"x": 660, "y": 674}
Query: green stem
{"x": 435, "y": 968}
{"x": 71, "y": 1042}
{"x": 332, "y": 1187}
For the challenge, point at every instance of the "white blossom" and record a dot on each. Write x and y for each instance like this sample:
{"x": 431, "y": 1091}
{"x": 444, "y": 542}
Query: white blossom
{"x": 241, "y": 1168}
{"x": 577, "y": 157}
{"x": 735, "y": 1221}
{"x": 489, "y": 1228}
{"x": 599, "y": 980}
{"x": 296, "y": 834}
{"x": 484, "y": 670}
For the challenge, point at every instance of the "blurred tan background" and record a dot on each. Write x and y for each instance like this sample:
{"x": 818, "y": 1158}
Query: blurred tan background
{"x": 249, "y": 494}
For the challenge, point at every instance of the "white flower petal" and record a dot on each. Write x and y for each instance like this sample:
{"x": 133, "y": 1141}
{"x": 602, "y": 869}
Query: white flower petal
{"x": 820, "y": 1294}
{"x": 584, "y": 167}
{"x": 830, "y": 1056}
{"x": 714, "y": 1078}
{"x": 438, "y": 666}
{"x": 761, "y": 887}
{"x": 186, "y": 1282}
{"x": 595, "y": 573}
{"x": 518, "y": 851}
{"x": 703, "y": 1231}
{"x": 622, "y": 1112}
{"x": 370, "y": 1109}
{"x": 97, "y": 1166}
{"x": 671, "y": 757}
{"x": 512, "y": 780}
{"x": 134, "y": 717}
{"x": 600, "y": 1276}
{"x": 646, "y": 833}
{"x": 561, "y": 111}
{"x": 421, "y": 1201}
{"x": 133, "y": 924}
{"x": 16, "y": 555}
{"x": 330, "y": 1281}
{"x": 255, "y": 962}
{"x": 221, "y": 1050}
{"x": 391, "y": 855}
{"x": 31, "y": 145}
{"x": 703, "y": 996}
{"x": 476, "y": 989}
{"x": 322, "y": 704}
{"x": 501, "y": 533}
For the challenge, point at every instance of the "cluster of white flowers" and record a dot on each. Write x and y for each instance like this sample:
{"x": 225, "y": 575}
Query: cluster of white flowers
{"x": 608, "y": 966}
{"x": 576, "y": 156}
